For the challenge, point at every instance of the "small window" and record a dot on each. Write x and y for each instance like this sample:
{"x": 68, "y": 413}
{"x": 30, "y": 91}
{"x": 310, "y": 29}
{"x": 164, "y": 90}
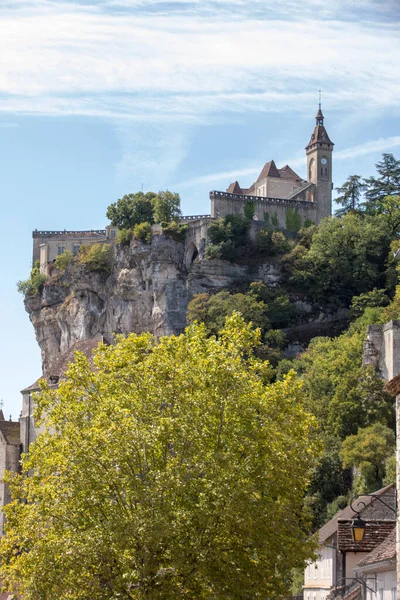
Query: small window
{"x": 112, "y": 234}
{"x": 326, "y": 171}
{"x": 393, "y": 590}
{"x": 75, "y": 248}
{"x": 380, "y": 593}
{"x": 61, "y": 249}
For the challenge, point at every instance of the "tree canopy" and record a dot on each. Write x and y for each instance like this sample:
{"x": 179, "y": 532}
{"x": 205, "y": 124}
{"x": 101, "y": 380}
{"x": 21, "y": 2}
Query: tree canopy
{"x": 172, "y": 469}
{"x": 134, "y": 209}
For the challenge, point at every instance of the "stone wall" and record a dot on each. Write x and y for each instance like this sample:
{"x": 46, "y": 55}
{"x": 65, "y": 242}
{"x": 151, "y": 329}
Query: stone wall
{"x": 223, "y": 204}
{"x": 382, "y": 348}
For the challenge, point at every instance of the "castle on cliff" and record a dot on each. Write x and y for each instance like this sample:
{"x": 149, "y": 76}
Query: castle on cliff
{"x": 277, "y": 196}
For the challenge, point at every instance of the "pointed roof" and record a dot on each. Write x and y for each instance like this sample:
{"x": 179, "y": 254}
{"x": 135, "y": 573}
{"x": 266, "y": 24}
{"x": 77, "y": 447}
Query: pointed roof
{"x": 10, "y": 431}
{"x": 287, "y": 173}
{"x": 1, "y": 415}
{"x": 58, "y": 368}
{"x": 319, "y": 134}
{"x": 269, "y": 170}
{"x": 234, "y": 188}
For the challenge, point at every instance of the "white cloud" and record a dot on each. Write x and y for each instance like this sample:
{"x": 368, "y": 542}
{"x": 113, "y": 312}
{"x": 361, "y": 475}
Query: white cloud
{"x": 83, "y": 60}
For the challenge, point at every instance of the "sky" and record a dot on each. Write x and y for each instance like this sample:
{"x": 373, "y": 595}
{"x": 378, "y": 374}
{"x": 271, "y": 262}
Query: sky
{"x": 101, "y": 98}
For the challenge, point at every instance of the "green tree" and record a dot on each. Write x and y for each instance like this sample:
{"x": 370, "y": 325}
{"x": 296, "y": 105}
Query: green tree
{"x": 131, "y": 209}
{"x": 213, "y": 310}
{"x": 350, "y": 195}
{"x": 368, "y": 452}
{"x": 387, "y": 184}
{"x": 346, "y": 257}
{"x": 170, "y": 471}
{"x": 167, "y": 207}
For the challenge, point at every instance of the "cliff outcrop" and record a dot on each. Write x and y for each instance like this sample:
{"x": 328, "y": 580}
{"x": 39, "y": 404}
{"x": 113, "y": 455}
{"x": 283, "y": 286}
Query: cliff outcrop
{"x": 147, "y": 289}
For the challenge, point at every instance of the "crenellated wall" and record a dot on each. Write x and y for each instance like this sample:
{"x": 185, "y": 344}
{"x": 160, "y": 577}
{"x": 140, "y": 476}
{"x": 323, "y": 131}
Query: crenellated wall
{"x": 224, "y": 203}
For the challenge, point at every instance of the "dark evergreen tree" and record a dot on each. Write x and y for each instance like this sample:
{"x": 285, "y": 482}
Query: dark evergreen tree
{"x": 350, "y": 195}
{"x": 387, "y": 184}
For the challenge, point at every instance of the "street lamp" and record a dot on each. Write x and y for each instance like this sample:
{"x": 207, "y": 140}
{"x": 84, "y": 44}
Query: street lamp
{"x": 358, "y": 529}
{"x": 358, "y": 524}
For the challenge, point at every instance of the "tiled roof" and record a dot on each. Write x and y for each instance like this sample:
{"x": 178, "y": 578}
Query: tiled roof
{"x": 269, "y": 170}
{"x": 287, "y": 173}
{"x": 385, "y": 551}
{"x": 234, "y": 188}
{"x": 10, "y": 430}
{"x": 375, "y": 533}
{"x": 393, "y": 386}
{"x": 319, "y": 135}
{"x": 57, "y": 370}
{"x": 348, "y": 513}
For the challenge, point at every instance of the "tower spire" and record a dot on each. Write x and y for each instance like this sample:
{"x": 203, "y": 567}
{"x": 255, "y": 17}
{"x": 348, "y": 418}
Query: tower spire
{"x": 319, "y": 119}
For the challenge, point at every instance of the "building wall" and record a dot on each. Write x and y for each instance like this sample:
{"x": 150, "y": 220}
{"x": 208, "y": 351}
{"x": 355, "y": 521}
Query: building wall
{"x": 381, "y": 585}
{"x": 275, "y": 187}
{"x": 320, "y": 575}
{"x": 9, "y": 460}
{"x": 382, "y": 348}
{"x": 47, "y": 245}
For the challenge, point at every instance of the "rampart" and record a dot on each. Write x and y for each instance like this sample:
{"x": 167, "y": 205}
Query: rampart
{"x": 273, "y": 210}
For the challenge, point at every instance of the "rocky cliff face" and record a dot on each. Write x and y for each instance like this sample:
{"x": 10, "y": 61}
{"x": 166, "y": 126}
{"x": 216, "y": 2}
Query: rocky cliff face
{"x": 148, "y": 289}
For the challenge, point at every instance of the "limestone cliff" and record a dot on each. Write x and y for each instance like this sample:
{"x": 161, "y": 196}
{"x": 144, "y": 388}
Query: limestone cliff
{"x": 148, "y": 289}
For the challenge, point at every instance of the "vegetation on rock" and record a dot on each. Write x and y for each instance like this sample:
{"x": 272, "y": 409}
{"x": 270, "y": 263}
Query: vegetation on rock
{"x": 33, "y": 285}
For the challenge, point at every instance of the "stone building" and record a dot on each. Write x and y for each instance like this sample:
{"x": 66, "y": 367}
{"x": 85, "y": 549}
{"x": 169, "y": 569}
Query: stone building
{"x": 10, "y": 448}
{"x": 279, "y": 195}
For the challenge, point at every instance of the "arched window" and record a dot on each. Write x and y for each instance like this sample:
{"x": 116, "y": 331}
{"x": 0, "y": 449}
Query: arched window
{"x": 310, "y": 169}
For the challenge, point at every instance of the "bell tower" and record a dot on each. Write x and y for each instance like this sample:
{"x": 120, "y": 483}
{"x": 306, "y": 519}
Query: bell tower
{"x": 319, "y": 166}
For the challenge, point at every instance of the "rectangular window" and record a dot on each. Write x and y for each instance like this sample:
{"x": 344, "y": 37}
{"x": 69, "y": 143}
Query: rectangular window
{"x": 75, "y": 248}
{"x": 380, "y": 594}
{"x": 393, "y": 590}
{"x": 112, "y": 234}
{"x": 61, "y": 249}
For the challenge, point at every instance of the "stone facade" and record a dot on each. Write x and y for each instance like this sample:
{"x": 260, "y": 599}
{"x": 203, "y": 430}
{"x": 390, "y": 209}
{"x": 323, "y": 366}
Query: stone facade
{"x": 47, "y": 245}
{"x": 10, "y": 449}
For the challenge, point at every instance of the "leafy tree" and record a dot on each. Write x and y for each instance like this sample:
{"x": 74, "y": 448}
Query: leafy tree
{"x": 368, "y": 452}
{"x": 387, "y": 184}
{"x": 371, "y": 299}
{"x": 132, "y": 209}
{"x": 346, "y": 257}
{"x": 98, "y": 257}
{"x": 340, "y": 392}
{"x": 64, "y": 260}
{"x": 350, "y": 195}
{"x": 213, "y": 310}
{"x": 167, "y": 207}
{"x": 170, "y": 471}
{"x": 142, "y": 231}
{"x": 35, "y": 283}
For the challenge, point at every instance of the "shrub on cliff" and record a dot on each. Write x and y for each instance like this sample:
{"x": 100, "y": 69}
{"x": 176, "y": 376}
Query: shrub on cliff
{"x": 64, "y": 260}
{"x": 33, "y": 285}
{"x": 176, "y": 231}
{"x": 172, "y": 470}
{"x": 96, "y": 258}
{"x": 124, "y": 237}
{"x": 142, "y": 231}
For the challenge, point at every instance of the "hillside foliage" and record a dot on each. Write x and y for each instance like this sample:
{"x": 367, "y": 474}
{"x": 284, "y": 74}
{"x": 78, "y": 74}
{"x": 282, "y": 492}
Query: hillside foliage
{"x": 175, "y": 469}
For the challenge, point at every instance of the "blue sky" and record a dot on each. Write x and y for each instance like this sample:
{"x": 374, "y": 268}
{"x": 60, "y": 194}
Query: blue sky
{"x": 100, "y": 97}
